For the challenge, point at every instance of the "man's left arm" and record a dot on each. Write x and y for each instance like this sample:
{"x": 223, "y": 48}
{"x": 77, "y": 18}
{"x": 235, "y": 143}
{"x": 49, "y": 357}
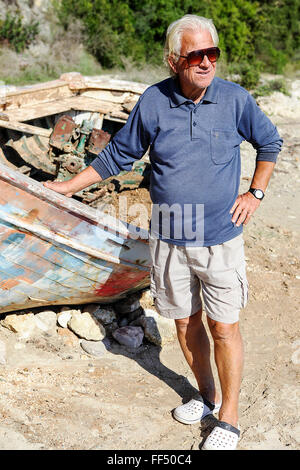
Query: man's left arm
{"x": 256, "y": 128}
{"x": 246, "y": 204}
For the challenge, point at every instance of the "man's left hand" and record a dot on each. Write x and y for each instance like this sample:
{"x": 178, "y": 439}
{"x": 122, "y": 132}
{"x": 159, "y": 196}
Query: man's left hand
{"x": 243, "y": 208}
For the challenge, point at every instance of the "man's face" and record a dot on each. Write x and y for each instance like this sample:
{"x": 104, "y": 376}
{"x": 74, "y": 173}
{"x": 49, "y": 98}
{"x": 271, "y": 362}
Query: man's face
{"x": 198, "y": 76}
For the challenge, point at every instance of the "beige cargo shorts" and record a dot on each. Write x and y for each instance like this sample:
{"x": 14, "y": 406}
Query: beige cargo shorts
{"x": 180, "y": 273}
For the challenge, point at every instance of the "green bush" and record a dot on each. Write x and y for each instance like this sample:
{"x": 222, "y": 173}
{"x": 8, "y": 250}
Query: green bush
{"x": 277, "y": 38}
{"x": 16, "y": 34}
{"x": 252, "y": 33}
{"x": 107, "y": 26}
{"x": 248, "y": 73}
{"x": 269, "y": 87}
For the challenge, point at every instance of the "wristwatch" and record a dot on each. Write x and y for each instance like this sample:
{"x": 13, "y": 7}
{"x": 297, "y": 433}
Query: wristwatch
{"x": 258, "y": 193}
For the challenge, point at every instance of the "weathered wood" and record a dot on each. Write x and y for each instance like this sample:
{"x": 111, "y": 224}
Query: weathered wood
{"x": 69, "y": 204}
{"x": 34, "y": 151}
{"x": 41, "y": 93}
{"x": 129, "y": 105}
{"x": 45, "y": 232}
{"x": 119, "y": 114}
{"x": 79, "y": 103}
{"x": 106, "y": 83}
{"x": 4, "y": 117}
{"x": 84, "y": 103}
{"x": 52, "y": 251}
{"x": 108, "y": 95}
{"x": 25, "y": 128}
{"x": 27, "y": 113}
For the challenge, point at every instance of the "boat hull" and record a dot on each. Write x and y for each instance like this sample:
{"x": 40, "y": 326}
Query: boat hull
{"x": 55, "y": 250}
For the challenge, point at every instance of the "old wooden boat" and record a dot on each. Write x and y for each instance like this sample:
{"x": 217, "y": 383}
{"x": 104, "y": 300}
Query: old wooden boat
{"x": 54, "y": 249}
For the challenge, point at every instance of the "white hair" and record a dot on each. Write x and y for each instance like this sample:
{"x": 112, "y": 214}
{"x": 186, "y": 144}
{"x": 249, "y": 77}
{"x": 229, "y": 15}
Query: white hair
{"x": 186, "y": 23}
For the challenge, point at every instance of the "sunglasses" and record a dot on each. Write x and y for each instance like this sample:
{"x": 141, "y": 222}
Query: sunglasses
{"x": 196, "y": 57}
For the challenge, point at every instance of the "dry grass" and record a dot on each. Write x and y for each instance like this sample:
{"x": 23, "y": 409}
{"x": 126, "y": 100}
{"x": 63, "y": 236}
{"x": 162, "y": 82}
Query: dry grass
{"x": 44, "y": 61}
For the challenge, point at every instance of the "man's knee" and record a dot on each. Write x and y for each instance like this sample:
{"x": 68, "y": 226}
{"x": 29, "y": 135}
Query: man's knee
{"x": 184, "y": 323}
{"x": 223, "y": 332}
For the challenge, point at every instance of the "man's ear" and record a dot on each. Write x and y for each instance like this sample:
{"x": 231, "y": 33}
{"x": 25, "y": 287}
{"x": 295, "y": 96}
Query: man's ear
{"x": 172, "y": 64}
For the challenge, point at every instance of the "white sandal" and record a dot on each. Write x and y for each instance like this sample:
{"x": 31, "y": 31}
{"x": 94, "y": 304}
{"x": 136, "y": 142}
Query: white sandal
{"x": 224, "y": 436}
{"x": 195, "y": 410}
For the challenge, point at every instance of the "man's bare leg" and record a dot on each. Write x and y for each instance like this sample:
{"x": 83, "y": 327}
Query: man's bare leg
{"x": 195, "y": 346}
{"x": 228, "y": 348}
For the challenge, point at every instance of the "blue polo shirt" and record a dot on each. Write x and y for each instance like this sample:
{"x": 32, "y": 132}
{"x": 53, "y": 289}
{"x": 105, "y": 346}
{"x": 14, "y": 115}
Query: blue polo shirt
{"x": 194, "y": 152}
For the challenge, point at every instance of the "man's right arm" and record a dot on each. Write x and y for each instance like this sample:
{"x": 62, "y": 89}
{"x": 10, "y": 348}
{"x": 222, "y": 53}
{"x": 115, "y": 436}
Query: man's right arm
{"x": 127, "y": 146}
{"x": 80, "y": 181}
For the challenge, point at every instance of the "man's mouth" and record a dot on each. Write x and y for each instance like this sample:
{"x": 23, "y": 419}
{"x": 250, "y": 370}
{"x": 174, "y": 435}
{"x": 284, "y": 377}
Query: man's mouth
{"x": 203, "y": 72}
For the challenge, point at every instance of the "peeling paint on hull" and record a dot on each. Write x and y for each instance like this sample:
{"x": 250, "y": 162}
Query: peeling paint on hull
{"x": 55, "y": 250}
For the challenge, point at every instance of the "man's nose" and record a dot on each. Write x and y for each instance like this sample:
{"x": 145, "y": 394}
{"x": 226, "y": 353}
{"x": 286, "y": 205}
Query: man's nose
{"x": 205, "y": 62}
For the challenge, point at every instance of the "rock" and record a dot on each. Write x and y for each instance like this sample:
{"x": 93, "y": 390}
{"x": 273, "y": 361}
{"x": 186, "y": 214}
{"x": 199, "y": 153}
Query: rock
{"x": 84, "y": 326}
{"x": 45, "y": 321}
{"x": 146, "y": 299}
{"x": 23, "y": 324}
{"x": 278, "y": 104}
{"x": 124, "y": 306}
{"x": 111, "y": 328}
{"x": 130, "y": 336}
{"x": 123, "y": 322}
{"x": 150, "y": 328}
{"x": 157, "y": 329}
{"x": 64, "y": 317}
{"x": 95, "y": 348}
{"x": 68, "y": 337}
{"x": 105, "y": 315}
{"x": 135, "y": 314}
{"x": 2, "y": 353}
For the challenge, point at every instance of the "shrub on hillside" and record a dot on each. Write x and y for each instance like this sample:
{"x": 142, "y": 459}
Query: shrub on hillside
{"x": 16, "y": 34}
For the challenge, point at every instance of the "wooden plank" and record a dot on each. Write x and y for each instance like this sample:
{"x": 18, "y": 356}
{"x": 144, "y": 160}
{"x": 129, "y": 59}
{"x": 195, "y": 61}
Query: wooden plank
{"x": 37, "y": 87}
{"x": 108, "y": 95}
{"x": 78, "y": 103}
{"x": 40, "y": 93}
{"x": 61, "y": 89}
{"x": 119, "y": 114}
{"x": 106, "y": 83}
{"x": 45, "y": 233}
{"x": 28, "y": 113}
{"x": 25, "y": 128}
{"x": 84, "y": 103}
{"x": 69, "y": 204}
{"x": 113, "y": 118}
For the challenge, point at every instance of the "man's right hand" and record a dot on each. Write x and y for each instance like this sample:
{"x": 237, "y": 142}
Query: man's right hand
{"x": 82, "y": 180}
{"x": 61, "y": 187}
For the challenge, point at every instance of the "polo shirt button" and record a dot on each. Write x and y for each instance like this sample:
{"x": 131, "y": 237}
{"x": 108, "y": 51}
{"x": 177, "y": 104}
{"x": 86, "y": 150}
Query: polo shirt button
{"x": 194, "y": 124}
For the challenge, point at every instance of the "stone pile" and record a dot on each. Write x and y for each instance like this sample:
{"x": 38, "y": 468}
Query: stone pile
{"x": 129, "y": 322}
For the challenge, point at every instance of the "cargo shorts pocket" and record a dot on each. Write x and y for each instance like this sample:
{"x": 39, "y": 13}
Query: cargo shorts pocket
{"x": 241, "y": 274}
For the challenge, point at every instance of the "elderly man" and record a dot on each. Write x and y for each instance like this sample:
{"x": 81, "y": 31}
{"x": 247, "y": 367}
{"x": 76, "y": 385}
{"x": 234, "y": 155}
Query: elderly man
{"x": 193, "y": 124}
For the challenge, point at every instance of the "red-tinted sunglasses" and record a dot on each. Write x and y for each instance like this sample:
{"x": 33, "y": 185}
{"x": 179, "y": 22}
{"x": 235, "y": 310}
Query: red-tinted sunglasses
{"x": 196, "y": 57}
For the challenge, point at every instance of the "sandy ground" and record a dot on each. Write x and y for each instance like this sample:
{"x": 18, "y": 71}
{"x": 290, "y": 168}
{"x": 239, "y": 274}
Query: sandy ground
{"x": 54, "y": 396}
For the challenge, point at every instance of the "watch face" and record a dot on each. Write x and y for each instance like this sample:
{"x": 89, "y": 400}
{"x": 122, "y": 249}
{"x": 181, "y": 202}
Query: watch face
{"x": 259, "y": 194}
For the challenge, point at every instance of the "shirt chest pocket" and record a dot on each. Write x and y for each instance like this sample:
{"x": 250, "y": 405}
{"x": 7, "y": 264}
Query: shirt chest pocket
{"x": 223, "y": 144}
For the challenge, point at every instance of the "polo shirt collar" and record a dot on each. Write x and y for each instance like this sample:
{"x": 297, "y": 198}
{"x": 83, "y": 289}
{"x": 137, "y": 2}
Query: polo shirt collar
{"x": 176, "y": 97}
